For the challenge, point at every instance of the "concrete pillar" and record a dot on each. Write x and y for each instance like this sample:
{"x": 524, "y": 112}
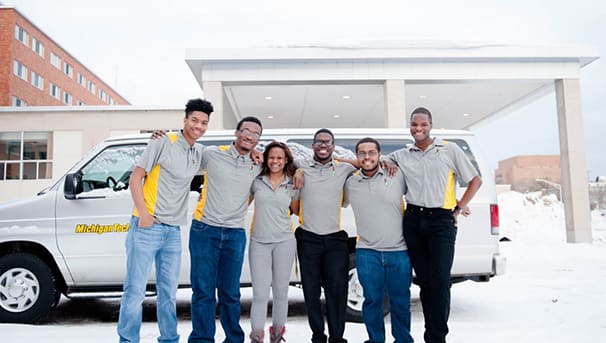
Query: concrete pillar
{"x": 213, "y": 92}
{"x": 575, "y": 193}
{"x": 395, "y": 104}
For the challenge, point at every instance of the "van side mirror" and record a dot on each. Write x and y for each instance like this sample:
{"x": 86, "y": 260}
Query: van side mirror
{"x": 73, "y": 185}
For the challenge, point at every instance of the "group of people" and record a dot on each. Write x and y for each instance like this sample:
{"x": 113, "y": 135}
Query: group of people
{"x": 393, "y": 237}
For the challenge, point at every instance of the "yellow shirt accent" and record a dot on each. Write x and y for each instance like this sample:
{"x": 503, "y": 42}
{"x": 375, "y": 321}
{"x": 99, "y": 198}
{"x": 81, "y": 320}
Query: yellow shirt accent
{"x": 300, "y": 211}
{"x": 172, "y": 137}
{"x": 150, "y": 190}
{"x": 340, "y": 212}
{"x": 224, "y": 147}
{"x": 199, "y": 211}
{"x": 450, "y": 199}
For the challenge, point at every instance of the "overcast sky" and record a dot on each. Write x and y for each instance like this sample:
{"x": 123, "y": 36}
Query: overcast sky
{"x": 138, "y": 47}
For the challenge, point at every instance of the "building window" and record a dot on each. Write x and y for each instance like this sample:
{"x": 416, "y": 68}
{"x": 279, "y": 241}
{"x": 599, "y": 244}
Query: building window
{"x": 102, "y": 95}
{"x": 21, "y": 35}
{"x": 79, "y": 103}
{"x": 55, "y": 60}
{"x": 19, "y": 102}
{"x": 68, "y": 69}
{"x": 54, "y": 91}
{"x": 37, "y": 47}
{"x": 20, "y": 70}
{"x": 37, "y": 80}
{"x": 81, "y": 80}
{"x": 26, "y": 155}
{"x": 110, "y": 100}
{"x": 91, "y": 87}
{"x": 67, "y": 98}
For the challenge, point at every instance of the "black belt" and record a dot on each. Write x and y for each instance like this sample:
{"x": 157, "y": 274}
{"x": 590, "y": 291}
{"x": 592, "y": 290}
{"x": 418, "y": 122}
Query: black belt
{"x": 429, "y": 210}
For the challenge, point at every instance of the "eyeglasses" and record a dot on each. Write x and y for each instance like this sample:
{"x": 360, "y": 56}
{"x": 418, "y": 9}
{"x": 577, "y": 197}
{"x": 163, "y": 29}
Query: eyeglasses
{"x": 371, "y": 153}
{"x": 319, "y": 142}
{"x": 249, "y": 133}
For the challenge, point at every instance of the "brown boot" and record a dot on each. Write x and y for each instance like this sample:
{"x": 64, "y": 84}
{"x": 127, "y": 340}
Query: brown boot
{"x": 276, "y": 336}
{"x": 256, "y": 337}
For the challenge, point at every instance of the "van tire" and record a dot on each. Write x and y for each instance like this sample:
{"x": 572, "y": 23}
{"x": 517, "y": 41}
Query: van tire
{"x": 355, "y": 297}
{"x": 27, "y": 288}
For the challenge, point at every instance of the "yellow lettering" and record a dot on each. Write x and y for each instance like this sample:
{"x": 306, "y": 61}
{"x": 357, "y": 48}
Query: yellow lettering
{"x": 101, "y": 229}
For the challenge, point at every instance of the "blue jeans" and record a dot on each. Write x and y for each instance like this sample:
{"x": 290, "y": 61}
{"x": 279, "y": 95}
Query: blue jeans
{"x": 159, "y": 244}
{"x": 381, "y": 271}
{"x": 217, "y": 254}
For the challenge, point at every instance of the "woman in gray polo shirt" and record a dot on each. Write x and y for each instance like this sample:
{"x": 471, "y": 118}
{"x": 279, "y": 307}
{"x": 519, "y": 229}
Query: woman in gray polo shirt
{"x": 272, "y": 242}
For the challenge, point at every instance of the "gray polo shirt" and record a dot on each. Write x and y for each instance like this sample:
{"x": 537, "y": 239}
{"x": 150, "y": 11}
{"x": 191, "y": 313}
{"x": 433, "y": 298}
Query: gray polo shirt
{"x": 431, "y": 174}
{"x": 378, "y": 206}
{"x": 271, "y": 220}
{"x": 322, "y": 195}
{"x": 170, "y": 163}
{"x": 227, "y": 180}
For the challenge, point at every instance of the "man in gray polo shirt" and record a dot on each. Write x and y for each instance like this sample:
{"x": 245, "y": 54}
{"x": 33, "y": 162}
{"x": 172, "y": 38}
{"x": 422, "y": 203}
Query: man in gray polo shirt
{"x": 167, "y": 165}
{"x": 217, "y": 237}
{"x": 321, "y": 243}
{"x": 430, "y": 167}
{"x": 381, "y": 258}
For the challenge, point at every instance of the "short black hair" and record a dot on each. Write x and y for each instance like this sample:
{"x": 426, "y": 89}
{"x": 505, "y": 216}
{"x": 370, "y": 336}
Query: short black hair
{"x": 198, "y": 105}
{"x": 368, "y": 140}
{"x": 324, "y": 131}
{"x": 250, "y": 119}
{"x": 421, "y": 110}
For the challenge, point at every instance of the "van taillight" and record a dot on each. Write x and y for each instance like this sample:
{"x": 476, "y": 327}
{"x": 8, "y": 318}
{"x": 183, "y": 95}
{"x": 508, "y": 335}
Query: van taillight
{"x": 494, "y": 219}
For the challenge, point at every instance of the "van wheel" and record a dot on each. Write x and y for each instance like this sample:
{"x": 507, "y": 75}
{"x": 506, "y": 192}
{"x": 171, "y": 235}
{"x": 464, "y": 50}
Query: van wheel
{"x": 27, "y": 288}
{"x": 355, "y": 296}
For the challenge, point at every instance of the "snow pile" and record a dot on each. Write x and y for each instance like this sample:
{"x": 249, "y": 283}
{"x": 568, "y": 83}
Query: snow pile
{"x": 538, "y": 218}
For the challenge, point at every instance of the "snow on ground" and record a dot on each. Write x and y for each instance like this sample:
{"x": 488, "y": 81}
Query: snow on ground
{"x": 551, "y": 291}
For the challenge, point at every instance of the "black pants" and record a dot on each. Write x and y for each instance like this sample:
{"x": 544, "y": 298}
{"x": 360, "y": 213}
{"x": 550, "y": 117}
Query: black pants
{"x": 430, "y": 235}
{"x": 324, "y": 262}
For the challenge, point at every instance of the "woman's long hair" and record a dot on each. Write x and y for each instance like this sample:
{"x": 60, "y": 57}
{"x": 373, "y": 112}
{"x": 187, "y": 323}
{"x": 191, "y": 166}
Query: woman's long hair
{"x": 289, "y": 167}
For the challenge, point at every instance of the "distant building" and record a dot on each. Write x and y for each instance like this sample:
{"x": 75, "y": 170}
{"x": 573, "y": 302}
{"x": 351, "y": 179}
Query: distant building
{"x": 529, "y": 173}
{"x": 36, "y": 71}
{"x": 597, "y": 193}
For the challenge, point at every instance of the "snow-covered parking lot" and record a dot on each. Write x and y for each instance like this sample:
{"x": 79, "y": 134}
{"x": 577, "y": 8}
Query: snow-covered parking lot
{"x": 551, "y": 292}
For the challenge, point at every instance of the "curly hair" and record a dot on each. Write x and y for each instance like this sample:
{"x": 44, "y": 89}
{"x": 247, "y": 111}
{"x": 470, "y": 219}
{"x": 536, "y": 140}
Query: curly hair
{"x": 289, "y": 167}
{"x": 198, "y": 105}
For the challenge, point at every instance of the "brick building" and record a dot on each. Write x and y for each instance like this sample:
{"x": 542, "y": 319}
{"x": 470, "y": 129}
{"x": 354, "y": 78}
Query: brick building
{"x": 35, "y": 70}
{"x": 522, "y": 172}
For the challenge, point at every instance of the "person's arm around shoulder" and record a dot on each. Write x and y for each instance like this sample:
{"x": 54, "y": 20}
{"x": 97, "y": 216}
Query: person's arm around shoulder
{"x": 353, "y": 162}
{"x": 298, "y": 180}
{"x": 136, "y": 190}
{"x": 346, "y": 192}
{"x": 389, "y": 163}
{"x": 256, "y": 156}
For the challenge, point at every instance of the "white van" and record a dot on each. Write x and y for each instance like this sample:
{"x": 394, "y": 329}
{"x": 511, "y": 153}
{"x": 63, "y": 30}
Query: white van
{"x": 69, "y": 239}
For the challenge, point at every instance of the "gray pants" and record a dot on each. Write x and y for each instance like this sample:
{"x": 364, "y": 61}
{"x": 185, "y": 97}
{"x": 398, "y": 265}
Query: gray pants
{"x": 270, "y": 265}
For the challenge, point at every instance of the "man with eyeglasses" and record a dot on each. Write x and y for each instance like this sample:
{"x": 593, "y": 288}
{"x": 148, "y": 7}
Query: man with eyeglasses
{"x": 321, "y": 243}
{"x": 217, "y": 238}
{"x": 382, "y": 261}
